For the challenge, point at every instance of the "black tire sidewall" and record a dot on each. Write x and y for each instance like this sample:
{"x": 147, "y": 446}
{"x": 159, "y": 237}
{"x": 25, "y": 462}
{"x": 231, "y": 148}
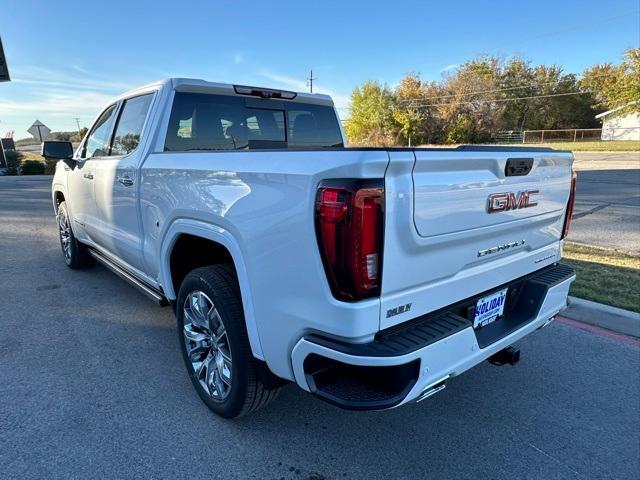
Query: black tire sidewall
{"x": 230, "y": 309}
{"x": 74, "y": 257}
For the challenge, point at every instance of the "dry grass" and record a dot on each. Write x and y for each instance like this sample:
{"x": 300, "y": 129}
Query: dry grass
{"x": 613, "y": 146}
{"x": 24, "y": 156}
{"x": 604, "y": 275}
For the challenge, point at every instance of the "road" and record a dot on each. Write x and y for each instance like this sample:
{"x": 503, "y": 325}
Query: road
{"x": 93, "y": 386}
{"x": 607, "y": 200}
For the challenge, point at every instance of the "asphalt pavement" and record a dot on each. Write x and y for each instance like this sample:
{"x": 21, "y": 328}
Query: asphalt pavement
{"x": 93, "y": 386}
{"x": 607, "y": 204}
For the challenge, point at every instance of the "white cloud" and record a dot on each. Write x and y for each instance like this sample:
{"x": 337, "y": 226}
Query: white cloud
{"x": 57, "y": 104}
{"x": 55, "y": 97}
{"x": 64, "y": 79}
{"x": 452, "y": 66}
{"x": 284, "y": 81}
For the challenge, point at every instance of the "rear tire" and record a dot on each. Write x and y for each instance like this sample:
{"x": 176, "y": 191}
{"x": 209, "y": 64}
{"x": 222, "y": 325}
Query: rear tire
{"x": 75, "y": 253}
{"x": 215, "y": 345}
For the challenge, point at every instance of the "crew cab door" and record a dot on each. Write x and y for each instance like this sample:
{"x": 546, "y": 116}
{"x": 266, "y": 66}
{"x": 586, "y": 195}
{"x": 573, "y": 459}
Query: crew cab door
{"x": 117, "y": 227}
{"x": 80, "y": 180}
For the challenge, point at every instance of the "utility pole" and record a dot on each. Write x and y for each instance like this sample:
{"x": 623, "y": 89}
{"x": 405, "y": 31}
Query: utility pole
{"x": 77, "y": 123}
{"x": 310, "y": 81}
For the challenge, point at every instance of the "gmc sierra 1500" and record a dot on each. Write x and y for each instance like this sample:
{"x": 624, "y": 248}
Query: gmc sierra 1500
{"x": 367, "y": 276}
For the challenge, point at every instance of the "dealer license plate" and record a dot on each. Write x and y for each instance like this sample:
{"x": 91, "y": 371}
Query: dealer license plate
{"x": 489, "y": 308}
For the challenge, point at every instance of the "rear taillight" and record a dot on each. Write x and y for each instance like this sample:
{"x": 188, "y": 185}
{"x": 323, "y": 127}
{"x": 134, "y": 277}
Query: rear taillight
{"x": 349, "y": 226}
{"x": 572, "y": 199}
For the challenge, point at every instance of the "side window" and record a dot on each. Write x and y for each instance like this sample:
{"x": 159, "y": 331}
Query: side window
{"x": 97, "y": 144}
{"x": 130, "y": 123}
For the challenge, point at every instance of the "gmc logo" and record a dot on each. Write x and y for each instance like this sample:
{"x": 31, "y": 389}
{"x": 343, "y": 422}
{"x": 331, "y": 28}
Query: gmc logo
{"x": 501, "y": 202}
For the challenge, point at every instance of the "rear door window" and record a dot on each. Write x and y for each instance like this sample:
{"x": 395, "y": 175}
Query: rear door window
{"x": 220, "y": 122}
{"x": 129, "y": 129}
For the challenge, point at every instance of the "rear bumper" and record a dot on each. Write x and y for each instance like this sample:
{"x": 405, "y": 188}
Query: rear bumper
{"x": 401, "y": 365}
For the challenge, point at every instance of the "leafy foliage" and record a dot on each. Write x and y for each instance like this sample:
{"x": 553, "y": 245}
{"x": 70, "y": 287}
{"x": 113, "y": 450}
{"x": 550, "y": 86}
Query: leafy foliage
{"x": 75, "y": 136}
{"x": 616, "y": 86}
{"x": 371, "y": 120}
{"x": 484, "y": 96}
{"x": 31, "y": 167}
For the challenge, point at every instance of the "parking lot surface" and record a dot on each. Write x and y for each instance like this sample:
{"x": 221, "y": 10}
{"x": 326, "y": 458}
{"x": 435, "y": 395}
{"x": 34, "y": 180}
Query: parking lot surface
{"x": 93, "y": 386}
{"x": 607, "y": 209}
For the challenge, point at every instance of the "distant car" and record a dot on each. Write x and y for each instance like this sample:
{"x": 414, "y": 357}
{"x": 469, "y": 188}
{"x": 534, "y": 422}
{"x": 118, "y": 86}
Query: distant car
{"x": 367, "y": 276}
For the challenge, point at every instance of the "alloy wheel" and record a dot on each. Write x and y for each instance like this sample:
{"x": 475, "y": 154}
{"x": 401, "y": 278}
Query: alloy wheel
{"x": 207, "y": 345}
{"x": 65, "y": 234}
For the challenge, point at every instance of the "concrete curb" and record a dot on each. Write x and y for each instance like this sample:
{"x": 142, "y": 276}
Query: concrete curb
{"x": 604, "y": 316}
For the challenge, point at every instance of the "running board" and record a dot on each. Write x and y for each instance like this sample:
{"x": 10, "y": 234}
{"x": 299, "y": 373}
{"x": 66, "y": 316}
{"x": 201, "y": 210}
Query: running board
{"x": 148, "y": 290}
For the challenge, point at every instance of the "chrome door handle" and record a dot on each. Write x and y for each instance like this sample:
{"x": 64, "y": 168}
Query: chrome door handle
{"x": 127, "y": 181}
{"x": 88, "y": 176}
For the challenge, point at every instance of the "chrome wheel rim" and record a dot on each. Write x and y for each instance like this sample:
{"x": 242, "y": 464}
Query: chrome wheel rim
{"x": 207, "y": 345}
{"x": 65, "y": 234}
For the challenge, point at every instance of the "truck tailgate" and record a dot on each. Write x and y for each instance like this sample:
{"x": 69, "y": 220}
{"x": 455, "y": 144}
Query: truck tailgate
{"x": 457, "y": 224}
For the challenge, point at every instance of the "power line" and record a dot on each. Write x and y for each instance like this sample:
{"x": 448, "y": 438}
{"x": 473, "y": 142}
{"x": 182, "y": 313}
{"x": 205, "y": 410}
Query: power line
{"x": 479, "y": 92}
{"x": 526, "y": 85}
{"x": 494, "y": 100}
{"x": 576, "y": 27}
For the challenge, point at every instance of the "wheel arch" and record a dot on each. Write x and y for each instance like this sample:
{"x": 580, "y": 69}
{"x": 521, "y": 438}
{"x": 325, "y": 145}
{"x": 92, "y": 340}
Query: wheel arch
{"x": 58, "y": 195}
{"x": 222, "y": 238}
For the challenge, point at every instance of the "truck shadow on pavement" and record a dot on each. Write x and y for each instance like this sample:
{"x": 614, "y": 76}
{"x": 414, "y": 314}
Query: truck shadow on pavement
{"x": 93, "y": 384}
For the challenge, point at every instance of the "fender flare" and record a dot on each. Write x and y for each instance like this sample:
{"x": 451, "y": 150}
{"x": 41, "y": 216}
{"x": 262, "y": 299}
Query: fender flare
{"x": 57, "y": 188}
{"x": 226, "y": 239}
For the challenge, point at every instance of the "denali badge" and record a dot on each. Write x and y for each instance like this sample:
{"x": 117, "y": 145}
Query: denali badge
{"x": 392, "y": 312}
{"x": 500, "y": 248}
{"x": 500, "y": 202}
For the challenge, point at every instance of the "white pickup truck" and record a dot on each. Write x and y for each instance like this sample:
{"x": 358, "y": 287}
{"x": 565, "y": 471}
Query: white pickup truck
{"x": 367, "y": 276}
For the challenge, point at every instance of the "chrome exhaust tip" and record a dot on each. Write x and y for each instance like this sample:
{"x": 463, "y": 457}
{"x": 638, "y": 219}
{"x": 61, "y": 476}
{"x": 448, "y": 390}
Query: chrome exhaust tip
{"x": 432, "y": 389}
{"x": 547, "y": 322}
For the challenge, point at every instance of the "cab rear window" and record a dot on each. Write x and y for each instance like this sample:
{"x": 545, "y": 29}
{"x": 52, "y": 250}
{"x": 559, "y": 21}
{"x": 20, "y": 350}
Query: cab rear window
{"x": 222, "y": 122}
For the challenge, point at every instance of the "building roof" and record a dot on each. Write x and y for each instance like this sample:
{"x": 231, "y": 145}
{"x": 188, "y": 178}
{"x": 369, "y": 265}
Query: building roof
{"x": 613, "y": 110}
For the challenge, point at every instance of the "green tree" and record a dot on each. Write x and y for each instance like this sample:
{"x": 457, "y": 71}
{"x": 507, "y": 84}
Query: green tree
{"x": 560, "y": 103}
{"x": 487, "y": 95}
{"x": 77, "y": 137}
{"x": 371, "y": 119}
{"x": 417, "y": 122}
{"x": 616, "y": 86}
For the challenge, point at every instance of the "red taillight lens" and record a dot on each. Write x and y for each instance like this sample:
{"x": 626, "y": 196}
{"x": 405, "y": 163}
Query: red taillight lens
{"x": 349, "y": 226}
{"x": 572, "y": 199}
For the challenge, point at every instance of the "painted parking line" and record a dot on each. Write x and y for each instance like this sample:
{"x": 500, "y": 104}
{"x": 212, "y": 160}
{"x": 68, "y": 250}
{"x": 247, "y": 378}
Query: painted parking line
{"x": 600, "y": 331}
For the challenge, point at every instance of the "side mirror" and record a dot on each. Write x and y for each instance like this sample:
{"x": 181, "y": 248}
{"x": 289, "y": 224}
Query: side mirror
{"x": 57, "y": 150}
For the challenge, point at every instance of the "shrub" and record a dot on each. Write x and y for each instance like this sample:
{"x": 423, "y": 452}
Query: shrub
{"x": 13, "y": 162}
{"x": 31, "y": 167}
{"x": 50, "y": 167}
{"x": 462, "y": 131}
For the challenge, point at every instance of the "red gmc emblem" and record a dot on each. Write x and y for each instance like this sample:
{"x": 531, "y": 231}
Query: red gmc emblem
{"x": 501, "y": 202}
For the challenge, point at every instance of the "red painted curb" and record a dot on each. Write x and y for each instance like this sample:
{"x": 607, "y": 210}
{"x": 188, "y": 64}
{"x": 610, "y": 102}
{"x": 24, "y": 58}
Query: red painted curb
{"x": 600, "y": 331}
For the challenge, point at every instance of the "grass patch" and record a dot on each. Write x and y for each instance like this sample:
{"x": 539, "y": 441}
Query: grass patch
{"x": 31, "y": 156}
{"x": 613, "y": 146}
{"x": 605, "y": 276}
{"x": 29, "y": 163}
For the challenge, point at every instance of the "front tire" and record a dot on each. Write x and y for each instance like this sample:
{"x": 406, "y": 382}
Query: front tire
{"x": 215, "y": 346}
{"x": 75, "y": 254}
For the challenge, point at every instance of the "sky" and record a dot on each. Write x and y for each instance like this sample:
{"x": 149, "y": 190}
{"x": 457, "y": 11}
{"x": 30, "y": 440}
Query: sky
{"x": 67, "y": 59}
